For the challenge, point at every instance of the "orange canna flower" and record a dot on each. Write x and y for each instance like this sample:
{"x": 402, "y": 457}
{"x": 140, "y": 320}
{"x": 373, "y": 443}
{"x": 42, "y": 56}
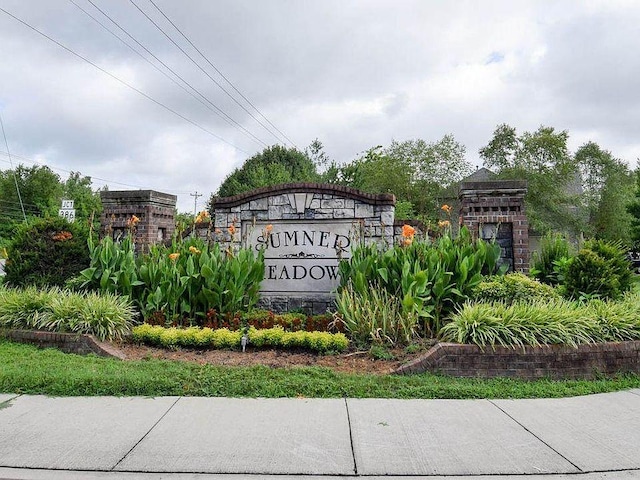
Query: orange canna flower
{"x": 173, "y": 256}
{"x": 232, "y": 229}
{"x": 203, "y": 216}
{"x": 268, "y": 228}
{"x": 62, "y": 236}
{"x": 133, "y": 221}
{"x": 408, "y": 231}
{"x": 446, "y": 208}
{"x": 444, "y": 223}
{"x": 193, "y": 249}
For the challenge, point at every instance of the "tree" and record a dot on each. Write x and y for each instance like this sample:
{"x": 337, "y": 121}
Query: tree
{"x": 607, "y": 186}
{"x": 41, "y": 191}
{"x": 633, "y": 208}
{"x": 415, "y": 171}
{"x": 86, "y": 201}
{"x": 442, "y": 162}
{"x": 274, "y": 165}
{"x": 541, "y": 158}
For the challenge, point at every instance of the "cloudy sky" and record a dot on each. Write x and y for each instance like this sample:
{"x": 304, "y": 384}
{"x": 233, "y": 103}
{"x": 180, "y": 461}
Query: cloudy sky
{"x": 353, "y": 74}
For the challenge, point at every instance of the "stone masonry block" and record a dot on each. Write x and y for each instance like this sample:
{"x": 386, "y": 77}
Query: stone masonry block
{"x": 333, "y": 203}
{"x": 387, "y": 217}
{"x": 363, "y": 210}
{"x": 259, "y": 204}
{"x": 343, "y": 213}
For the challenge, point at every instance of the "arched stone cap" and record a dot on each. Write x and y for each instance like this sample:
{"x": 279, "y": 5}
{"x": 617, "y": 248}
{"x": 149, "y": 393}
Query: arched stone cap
{"x": 320, "y": 188}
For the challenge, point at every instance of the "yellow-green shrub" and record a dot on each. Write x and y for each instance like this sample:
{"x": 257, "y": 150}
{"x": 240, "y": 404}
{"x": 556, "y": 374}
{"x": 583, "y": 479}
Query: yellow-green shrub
{"x": 196, "y": 337}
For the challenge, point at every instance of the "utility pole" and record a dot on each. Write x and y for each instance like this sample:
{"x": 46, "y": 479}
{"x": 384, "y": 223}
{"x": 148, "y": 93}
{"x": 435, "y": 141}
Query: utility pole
{"x": 195, "y": 202}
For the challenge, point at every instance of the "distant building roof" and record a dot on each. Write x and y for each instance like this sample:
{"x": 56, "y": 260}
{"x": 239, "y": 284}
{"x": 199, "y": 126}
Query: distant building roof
{"x": 481, "y": 175}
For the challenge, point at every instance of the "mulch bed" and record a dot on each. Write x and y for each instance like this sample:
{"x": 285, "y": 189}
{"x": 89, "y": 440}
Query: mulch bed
{"x": 352, "y": 362}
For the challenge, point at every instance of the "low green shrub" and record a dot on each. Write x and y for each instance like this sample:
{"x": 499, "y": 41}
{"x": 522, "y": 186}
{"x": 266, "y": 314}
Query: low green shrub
{"x": 46, "y": 252}
{"x": 276, "y": 337}
{"x": 600, "y": 269}
{"x": 105, "y": 316}
{"x": 513, "y": 287}
{"x": 541, "y": 322}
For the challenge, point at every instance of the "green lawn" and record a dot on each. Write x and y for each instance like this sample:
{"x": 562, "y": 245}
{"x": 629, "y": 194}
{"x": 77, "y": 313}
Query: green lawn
{"x": 27, "y": 369}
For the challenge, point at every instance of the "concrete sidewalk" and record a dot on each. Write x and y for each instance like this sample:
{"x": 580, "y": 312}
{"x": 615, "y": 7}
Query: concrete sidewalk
{"x": 592, "y": 437}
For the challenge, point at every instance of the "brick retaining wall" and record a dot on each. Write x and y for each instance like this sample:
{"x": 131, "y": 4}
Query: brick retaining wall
{"x": 80, "y": 344}
{"x": 553, "y": 361}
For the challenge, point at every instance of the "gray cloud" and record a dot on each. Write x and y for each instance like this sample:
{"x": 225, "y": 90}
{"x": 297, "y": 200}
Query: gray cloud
{"x": 353, "y": 74}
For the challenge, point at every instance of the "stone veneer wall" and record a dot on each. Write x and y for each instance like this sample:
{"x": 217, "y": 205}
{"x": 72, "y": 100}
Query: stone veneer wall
{"x": 500, "y": 201}
{"x": 552, "y": 361}
{"x": 372, "y": 217}
{"x": 154, "y": 209}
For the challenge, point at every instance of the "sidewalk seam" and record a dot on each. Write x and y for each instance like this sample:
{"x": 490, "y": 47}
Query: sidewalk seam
{"x": 538, "y": 438}
{"x": 353, "y": 452}
{"x": 634, "y": 393}
{"x": 145, "y": 435}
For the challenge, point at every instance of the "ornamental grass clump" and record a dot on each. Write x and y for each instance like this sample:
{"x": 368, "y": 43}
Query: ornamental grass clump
{"x": 536, "y": 323}
{"x": 22, "y": 308}
{"x": 375, "y": 316}
{"x": 556, "y": 321}
{"x": 106, "y": 316}
{"x": 548, "y": 264}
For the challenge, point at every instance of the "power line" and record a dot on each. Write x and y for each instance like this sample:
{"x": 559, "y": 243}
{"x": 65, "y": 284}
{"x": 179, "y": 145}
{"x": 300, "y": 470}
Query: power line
{"x": 200, "y": 97}
{"x": 15, "y": 178}
{"x": 202, "y": 69}
{"x": 121, "y": 81}
{"x": 138, "y": 187}
{"x": 221, "y": 74}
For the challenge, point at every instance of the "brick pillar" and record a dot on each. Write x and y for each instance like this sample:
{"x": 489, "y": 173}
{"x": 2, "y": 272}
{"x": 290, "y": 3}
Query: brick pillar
{"x": 155, "y": 210}
{"x": 498, "y": 207}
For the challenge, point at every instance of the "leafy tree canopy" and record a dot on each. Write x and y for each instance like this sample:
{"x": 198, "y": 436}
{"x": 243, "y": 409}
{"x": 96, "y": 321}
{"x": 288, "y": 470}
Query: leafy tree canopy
{"x": 417, "y": 172}
{"x": 633, "y": 208}
{"x": 607, "y": 184}
{"x": 41, "y": 191}
{"x": 582, "y": 193}
{"x": 272, "y": 166}
{"x": 543, "y": 159}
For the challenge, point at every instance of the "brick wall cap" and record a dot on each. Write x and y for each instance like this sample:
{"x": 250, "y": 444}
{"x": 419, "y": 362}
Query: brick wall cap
{"x": 320, "y": 188}
{"x": 131, "y": 196}
{"x": 495, "y": 186}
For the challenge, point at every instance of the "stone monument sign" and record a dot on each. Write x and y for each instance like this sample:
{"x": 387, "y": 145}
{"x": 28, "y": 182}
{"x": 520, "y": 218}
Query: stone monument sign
{"x": 305, "y": 229}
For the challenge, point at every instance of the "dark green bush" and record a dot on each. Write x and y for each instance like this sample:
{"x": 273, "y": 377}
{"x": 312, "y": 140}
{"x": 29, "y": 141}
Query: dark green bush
{"x": 513, "y": 287}
{"x": 600, "y": 269}
{"x": 47, "y": 252}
